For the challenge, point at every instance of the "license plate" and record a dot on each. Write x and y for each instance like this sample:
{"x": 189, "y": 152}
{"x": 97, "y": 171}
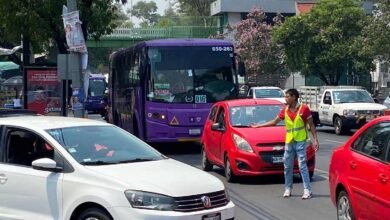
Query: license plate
{"x": 215, "y": 216}
{"x": 277, "y": 159}
{"x": 194, "y": 131}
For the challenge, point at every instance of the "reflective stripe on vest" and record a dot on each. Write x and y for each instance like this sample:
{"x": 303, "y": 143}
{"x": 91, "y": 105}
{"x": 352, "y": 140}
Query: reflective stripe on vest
{"x": 295, "y": 130}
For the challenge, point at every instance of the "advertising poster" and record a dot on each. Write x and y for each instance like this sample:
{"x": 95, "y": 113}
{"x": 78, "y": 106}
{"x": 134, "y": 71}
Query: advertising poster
{"x": 44, "y": 91}
{"x": 74, "y": 33}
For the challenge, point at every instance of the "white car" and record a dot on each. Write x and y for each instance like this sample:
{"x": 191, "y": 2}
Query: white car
{"x": 80, "y": 169}
{"x": 267, "y": 92}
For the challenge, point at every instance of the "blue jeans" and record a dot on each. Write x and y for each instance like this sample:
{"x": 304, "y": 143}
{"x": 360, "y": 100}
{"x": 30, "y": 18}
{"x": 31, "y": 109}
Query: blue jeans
{"x": 291, "y": 150}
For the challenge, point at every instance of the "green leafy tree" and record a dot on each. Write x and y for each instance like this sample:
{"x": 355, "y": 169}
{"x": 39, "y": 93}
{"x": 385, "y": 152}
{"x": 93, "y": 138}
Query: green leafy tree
{"x": 195, "y": 7}
{"x": 42, "y": 23}
{"x": 377, "y": 33}
{"x": 327, "y": 41}
{"x": 146, "y": 11}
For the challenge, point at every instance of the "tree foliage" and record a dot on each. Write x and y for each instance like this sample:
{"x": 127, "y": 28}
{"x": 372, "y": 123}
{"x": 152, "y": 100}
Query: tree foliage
{"x": 146, "y": 11}
{"x": 41, "y": 21}
{"x": 377, "y": 33}
{"x": 263, "y": 58}
{"x": 195, "y": 7}
{"x": 327, "y": 41}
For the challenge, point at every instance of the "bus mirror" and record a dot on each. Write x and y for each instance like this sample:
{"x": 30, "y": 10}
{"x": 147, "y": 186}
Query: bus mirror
{"x": 154, "y": 55}
{"x": 241, "y": 69}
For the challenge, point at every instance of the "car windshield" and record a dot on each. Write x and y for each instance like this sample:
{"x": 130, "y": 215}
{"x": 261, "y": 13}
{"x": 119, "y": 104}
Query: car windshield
{"x": 352, "y": 96}
{"x": 100, "y": 145}
{"x": 269, "y": 93}
{"x": 245, "y": 115}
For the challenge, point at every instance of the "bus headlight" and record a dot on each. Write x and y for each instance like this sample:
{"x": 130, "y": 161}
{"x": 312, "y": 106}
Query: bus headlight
{"x": 153, "y": 201}
{"x": 242, "y": 144}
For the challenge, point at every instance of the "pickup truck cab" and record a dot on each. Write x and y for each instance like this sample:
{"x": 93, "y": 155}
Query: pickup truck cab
{"x": 343, "y": 107}
{"x": 267, "y": 92}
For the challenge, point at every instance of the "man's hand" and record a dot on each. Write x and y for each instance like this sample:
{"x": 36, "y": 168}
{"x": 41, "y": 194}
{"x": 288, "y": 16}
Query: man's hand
{"x": 254, "y": 125}
{"x": 316, "y": 145}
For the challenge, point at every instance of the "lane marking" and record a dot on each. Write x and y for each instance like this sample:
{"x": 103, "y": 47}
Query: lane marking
{"x": 339, "y": 142}
{"x": 322, "y": 173}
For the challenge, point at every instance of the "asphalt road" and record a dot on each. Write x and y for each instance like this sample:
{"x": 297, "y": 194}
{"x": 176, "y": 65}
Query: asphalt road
{"x": 261, "y": 198}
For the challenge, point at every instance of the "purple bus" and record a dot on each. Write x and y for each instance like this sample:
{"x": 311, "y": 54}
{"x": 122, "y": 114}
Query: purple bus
{"x": 162, "y": 90}
{"x": 96, "y": 100}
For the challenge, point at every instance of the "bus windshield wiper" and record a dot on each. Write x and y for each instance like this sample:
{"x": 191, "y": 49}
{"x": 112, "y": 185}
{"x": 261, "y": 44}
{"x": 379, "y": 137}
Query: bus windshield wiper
{"x": 97, "y": 162}
{"x": 136, "y": 160}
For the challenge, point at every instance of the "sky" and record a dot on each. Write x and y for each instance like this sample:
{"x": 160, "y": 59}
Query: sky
{"x": 161, "y": 6}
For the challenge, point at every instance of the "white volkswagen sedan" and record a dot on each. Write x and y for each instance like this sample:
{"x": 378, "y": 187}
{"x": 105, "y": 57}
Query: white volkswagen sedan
{"x": 80, "y": 169}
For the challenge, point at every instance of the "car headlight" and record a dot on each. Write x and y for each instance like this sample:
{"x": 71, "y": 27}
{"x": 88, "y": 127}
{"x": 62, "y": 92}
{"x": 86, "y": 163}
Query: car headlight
{"x": 242, "y": 144}
{"x": 349, "y": 112}
{"x": 153, "y": 201}
{"x": 227, "y": 195}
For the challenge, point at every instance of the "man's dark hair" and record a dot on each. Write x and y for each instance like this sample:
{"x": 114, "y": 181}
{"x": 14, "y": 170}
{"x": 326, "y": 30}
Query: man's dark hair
{"x": 293, "y": 92}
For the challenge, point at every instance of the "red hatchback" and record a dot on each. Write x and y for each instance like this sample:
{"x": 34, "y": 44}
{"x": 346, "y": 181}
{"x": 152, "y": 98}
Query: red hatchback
{"x": 359, "y": 173}
{"x": 228, "y": 140}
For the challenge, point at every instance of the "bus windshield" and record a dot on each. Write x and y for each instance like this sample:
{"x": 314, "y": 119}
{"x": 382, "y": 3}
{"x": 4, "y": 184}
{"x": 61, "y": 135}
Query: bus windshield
{"x": 191, "y": 74}
{"x": 97, "y": 87}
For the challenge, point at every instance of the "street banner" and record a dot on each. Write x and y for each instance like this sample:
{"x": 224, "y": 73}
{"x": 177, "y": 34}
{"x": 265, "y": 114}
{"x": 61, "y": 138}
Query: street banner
{"x": 74, "y": 33}
{"x": 43, "y": 90}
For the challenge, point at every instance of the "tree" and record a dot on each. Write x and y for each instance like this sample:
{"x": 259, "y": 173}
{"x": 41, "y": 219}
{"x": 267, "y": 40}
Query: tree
{"x": 146, "y": 11}
{"x": 377, "y": 33}
{"x": 42, "y": 23}
{"x": 327, "y": 41}
{"x": 195, "y": 7}
{"x": 263, "y": 58}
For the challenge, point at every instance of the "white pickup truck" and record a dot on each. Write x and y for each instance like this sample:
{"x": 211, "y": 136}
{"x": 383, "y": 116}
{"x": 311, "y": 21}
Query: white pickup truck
{"x": 343, "y": 107}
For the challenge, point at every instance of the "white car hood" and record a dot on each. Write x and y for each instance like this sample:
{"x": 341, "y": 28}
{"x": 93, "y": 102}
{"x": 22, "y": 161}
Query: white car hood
{"x": 363, "y": 106}
{"x": 168, "y": 177}
{"x": 282, "y": 100}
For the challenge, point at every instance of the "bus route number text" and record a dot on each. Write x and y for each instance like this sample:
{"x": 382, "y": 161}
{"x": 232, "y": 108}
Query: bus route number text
{"x": 218, "y": 49}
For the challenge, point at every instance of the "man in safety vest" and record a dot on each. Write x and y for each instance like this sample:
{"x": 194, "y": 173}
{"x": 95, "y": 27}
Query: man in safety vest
{"x": 296, "y": 116}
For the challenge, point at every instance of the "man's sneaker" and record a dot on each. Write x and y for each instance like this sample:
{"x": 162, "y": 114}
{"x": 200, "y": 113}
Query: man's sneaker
{"x": 307, "y": 194}
{"x": 287, "y": 193}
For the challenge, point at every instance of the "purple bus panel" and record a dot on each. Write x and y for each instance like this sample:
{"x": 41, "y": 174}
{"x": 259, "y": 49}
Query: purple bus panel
{"x": 175, "y": 122}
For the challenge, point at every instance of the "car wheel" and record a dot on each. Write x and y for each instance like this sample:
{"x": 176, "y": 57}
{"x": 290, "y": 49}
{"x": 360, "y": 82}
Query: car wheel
{"x": 206, "y": 165}
{"x": 94, "y": 214}
{"x": 230, "y": 176}
{"x": 344, "y": 208}
{"x": 338, "y": 126}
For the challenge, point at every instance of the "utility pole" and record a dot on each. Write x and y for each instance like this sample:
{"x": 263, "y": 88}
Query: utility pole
{"x": 76, "y": 73}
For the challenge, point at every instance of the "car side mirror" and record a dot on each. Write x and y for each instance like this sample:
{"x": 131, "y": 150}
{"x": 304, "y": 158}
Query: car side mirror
{"x": 217, "y": 127}
{"x": 241, "y": 69}
{"x": 46, "y": 164}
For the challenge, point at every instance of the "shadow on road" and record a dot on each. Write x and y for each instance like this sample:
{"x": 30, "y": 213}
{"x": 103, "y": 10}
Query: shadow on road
{"x": 177, "y": 148}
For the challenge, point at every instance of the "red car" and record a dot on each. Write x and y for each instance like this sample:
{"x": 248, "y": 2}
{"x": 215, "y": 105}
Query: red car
{"x": 359, "y": 173}
{"x": 228, "y": 140}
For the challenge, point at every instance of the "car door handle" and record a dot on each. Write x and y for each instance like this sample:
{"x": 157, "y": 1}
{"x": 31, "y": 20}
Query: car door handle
{"x": 353, "y": 165}
{"x": 3, "y": 178}
{"x": 383, "y": 178}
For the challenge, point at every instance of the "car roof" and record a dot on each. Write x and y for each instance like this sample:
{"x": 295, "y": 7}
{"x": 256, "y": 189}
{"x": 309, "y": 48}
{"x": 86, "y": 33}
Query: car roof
{"x": 265, "y": 87}
{"x": 48, "y": 122}
{"x": 246, "y": 102}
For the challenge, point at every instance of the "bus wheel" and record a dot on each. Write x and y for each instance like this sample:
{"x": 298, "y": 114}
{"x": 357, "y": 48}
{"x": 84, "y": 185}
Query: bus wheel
{"x": 135, "y": 128}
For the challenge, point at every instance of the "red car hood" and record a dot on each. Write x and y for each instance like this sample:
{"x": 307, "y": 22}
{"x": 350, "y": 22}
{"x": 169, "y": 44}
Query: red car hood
{"x": 262, "y": 135}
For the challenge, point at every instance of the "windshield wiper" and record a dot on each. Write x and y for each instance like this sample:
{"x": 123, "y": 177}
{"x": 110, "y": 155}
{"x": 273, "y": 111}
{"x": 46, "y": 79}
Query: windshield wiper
{"x": 136, "y": 160}
{"x": 97, "y": 162}
{"x": 241, "y": 126}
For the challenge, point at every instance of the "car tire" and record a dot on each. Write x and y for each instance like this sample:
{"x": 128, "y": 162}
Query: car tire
{"x": 344, "y": 208}
{"x": 94, "y": 214}
{"x": 338, "y": 126}
{"x": 206, "y": 165}
{"x": 229, "y": 174}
